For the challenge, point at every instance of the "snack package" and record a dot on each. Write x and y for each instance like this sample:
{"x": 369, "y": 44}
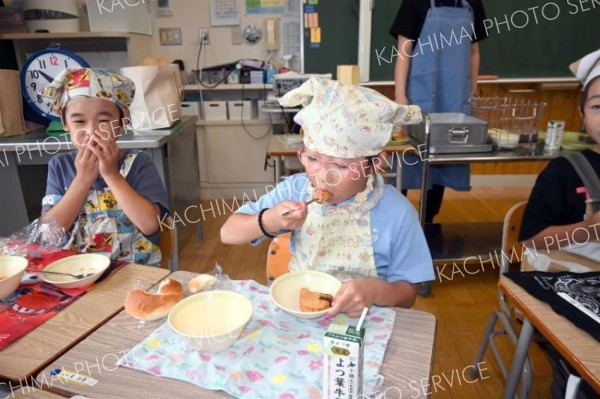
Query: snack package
{"x": 217, "y": 280}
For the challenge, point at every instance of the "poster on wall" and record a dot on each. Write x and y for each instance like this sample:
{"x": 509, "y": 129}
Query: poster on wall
{"x": 266, "y": 6}
{"x": 224, "y": 12}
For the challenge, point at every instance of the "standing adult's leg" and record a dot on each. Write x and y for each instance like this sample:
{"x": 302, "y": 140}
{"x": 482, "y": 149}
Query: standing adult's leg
{"x": 435, "y": 197}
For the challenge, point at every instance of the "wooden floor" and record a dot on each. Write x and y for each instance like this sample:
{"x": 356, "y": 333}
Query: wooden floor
{"x": 462, "y": 306}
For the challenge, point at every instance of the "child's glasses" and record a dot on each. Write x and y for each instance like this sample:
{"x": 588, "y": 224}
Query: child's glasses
{"x": 314, "y": 162}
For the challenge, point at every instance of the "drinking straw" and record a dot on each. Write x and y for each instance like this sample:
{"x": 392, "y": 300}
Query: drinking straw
{"x": 362, "y": 318}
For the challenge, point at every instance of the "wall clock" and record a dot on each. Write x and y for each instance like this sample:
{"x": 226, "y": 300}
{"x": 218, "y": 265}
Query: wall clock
{"x": 40, "y": 70}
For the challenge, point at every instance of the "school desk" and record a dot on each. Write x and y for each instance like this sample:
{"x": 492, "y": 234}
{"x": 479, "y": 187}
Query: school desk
{"x": 406, "y": 366}
{"x": 25, "y": 357}
{"x": 579, "y": 348}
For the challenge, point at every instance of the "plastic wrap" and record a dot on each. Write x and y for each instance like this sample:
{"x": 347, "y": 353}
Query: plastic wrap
{"x": 43, "y": 235}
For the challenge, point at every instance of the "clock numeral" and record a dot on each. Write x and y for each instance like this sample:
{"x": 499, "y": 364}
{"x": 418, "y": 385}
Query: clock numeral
{"x": 66, "y": 64}
{"x": 42, "y": 64}
{"x": 53, "y": 60}
{"x": 34, "y": 74}
{"x": 33, "y": 85}
{"x": 40, "y": 99}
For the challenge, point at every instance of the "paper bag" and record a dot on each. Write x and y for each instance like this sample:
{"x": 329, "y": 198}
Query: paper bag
{"x": 11, "y": 105}
{"x": 158, "y": 94}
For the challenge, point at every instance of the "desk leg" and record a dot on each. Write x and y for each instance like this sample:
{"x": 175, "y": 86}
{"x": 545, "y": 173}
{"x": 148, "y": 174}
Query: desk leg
{"x": 13, "y": 212}
{"x": 278, "y": 161}
{"x": 516, "y": 368}
{"x": 424, "y": 184}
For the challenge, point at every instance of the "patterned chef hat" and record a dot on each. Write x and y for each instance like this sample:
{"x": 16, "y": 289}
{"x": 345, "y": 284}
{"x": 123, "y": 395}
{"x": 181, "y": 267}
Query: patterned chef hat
{"x": 346, "y": 121}
{"x": 587, "y": 68}
{"x": 89, "y": 82}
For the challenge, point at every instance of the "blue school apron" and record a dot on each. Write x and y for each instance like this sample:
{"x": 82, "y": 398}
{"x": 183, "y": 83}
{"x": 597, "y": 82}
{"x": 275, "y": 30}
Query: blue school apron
{"x": 440, "y": 81}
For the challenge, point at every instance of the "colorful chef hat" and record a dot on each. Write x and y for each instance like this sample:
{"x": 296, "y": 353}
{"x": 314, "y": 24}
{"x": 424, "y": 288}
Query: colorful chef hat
{"x": 587, "y": 68}
{"x": 346, "y": 121}
{"x": 89, "y": 82}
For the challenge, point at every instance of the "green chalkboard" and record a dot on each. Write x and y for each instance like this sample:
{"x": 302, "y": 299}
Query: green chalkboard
{"x": 540, "y": 38}
{"x": 338, "y": 20}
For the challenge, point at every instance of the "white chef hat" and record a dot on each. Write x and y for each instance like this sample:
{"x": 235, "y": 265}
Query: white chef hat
{"x": 587, "y": 68}
{"x": 346, "y": 121}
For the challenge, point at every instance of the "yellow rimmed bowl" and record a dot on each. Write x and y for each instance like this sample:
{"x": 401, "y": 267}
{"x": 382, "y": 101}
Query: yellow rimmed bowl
{"x": 285, "y": 290}
{"x": 211, "y": 321}
{"x": 94, "y": 264}
{"x": 11, "y": 272}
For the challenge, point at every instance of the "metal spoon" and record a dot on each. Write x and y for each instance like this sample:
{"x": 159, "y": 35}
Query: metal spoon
{"x": 307, "y": 203}
{"x": 77, "y": 276}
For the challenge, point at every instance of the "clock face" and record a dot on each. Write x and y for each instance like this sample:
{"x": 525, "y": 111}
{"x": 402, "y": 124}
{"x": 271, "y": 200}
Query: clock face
{"x": 40, "y": 70}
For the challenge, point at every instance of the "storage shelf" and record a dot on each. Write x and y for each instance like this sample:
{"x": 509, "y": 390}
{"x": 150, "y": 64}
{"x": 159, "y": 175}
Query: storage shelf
{"x": 232, "y": 86}
{"x": 68, "y": 35}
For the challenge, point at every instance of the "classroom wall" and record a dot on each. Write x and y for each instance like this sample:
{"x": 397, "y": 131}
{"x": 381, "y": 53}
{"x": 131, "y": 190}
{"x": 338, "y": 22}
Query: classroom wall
{"x": 189, "y": 15}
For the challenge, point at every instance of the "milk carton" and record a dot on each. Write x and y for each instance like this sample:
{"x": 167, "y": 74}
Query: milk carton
{"x": 343, "y": 362}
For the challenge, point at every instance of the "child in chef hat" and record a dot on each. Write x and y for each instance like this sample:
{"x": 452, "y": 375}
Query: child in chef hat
{"x": 560, "y": 203}
{"x": 366, "y": 233}
{"x": 108, "y": 199}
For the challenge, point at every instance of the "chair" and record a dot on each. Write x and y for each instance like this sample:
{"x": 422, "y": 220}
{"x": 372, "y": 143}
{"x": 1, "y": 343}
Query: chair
{"x": 510, "y": 240}
{"x": 278, "y": 257}
{"x": 168, "y": 243}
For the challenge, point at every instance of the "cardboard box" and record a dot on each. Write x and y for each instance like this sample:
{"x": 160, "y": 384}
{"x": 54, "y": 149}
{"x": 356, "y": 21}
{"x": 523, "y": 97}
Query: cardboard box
{"x": 215, "y": 110}
{"x": 343, "y": 362}
{"x": 240, "y": 109}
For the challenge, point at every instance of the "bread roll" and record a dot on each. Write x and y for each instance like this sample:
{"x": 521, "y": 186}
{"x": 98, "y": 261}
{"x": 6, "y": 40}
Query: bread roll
{"x": 314, "y": 301}
{"x": 201, "y": 282}
{"x": 148, "y": 307}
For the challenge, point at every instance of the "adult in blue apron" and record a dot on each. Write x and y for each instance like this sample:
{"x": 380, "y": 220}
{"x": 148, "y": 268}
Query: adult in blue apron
{"x": 440, "y": 81}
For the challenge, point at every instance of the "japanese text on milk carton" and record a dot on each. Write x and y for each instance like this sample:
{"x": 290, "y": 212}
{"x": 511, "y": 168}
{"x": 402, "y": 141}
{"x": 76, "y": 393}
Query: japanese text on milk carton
{"x": 343, "y": 362}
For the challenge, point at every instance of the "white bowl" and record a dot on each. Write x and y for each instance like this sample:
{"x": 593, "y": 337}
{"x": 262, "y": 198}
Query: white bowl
{"x": 285, "y": 290}
{"x": 76, "y": 264}
{"x": 11, "y": 272}
{"x": 211, "y": 321}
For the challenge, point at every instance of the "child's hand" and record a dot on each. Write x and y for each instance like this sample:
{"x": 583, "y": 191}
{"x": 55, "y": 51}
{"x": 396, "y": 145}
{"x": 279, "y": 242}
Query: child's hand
{"x": 276, "y": 221}
{"x": 107, "y": 152}
{"x": 353, "y": 297}
{"x": 86, "y": 166}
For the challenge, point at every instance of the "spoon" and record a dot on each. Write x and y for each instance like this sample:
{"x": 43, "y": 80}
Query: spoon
{"x": 307, "y": 203}
{"x": 77, "y": 276}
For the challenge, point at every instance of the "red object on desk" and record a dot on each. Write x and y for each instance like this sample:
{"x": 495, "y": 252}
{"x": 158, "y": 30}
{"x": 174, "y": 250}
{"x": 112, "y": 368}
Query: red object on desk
{"x": 32, "y": 304}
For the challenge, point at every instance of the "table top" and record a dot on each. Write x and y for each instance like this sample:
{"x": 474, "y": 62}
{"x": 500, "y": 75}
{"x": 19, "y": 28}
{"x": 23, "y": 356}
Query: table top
{"x": 525, "y": 152}
{"x": 40, "y": 140}
{"x": 408, "y": 359}
{"x": 555, "y": 260}
{"x": 578, "y": 347}
{"x": 28, "y": 355}
{"x": 33, "y": 393}
{"x": 277, "y": 148}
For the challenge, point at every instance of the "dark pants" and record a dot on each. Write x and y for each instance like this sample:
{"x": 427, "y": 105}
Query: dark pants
{"x": 434, "y": 202}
